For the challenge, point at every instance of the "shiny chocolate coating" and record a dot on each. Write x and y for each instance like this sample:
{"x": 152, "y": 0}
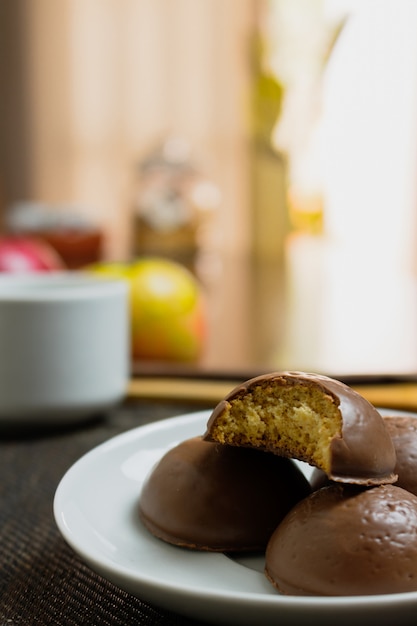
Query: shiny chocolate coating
{"x": 403, "y": 432}
{"x": 345, "y": 540}
{"x": 362, "y": 453}
{"x": 208, "y": 496}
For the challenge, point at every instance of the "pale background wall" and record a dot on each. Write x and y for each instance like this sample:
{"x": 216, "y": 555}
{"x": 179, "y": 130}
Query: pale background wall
{"x": 101, "y": 80}
{"x": 88, "y": 85}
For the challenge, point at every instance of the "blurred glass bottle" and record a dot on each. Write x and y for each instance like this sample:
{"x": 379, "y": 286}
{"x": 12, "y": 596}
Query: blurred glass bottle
{"x": 270, "y": 221}
{"x": 174, "y": 204}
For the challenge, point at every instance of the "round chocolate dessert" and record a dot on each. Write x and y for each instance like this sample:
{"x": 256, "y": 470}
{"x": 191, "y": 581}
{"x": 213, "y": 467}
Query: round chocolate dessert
{"x": 207, "y": 496}
{"x": 308, "y": 417}
{"x": 403, "y": 431}
{"x": 344, "y": 540}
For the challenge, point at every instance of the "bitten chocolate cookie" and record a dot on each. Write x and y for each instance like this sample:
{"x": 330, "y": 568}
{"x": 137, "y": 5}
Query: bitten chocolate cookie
{"x": 207, "y": 496}
{"x": 308, "y": 417}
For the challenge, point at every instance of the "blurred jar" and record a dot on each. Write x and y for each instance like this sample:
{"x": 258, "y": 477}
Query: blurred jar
{"x": 174, "y": 204}
{"x": 77, "y": 241}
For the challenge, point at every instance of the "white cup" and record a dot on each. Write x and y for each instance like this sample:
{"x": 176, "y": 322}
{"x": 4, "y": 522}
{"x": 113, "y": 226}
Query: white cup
{"x": 64, "y": 346}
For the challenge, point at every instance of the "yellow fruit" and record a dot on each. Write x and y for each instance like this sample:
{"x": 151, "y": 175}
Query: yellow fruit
{"x": 167, "y": 310}
{"x": 112, "y": 270}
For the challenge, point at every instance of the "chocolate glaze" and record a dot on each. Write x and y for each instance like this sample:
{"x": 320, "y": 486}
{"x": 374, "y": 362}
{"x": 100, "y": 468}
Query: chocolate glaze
{"x": 345, "y": 540}
{"x": 208, "y": 496}
{"x": 403, "y": 432}
{"x": 363, "y": 453}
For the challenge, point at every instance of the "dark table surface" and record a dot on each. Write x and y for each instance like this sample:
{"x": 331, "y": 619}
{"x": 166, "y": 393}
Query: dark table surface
{"x": 42, "y": 581}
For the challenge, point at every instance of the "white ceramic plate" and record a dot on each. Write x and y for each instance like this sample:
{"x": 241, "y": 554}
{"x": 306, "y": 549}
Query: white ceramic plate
{"x": 95, "y": 509}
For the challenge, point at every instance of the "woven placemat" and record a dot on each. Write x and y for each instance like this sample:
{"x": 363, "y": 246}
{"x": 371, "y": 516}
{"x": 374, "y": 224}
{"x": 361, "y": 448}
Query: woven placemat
{"x": 42, "y": 581}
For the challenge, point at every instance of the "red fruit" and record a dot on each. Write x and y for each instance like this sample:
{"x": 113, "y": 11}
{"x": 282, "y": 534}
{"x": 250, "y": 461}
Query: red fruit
{"x": 27, "y": 254}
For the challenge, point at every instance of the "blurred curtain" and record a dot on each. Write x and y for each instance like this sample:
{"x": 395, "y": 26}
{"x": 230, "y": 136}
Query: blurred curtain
{"x": 88, "y": 86}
